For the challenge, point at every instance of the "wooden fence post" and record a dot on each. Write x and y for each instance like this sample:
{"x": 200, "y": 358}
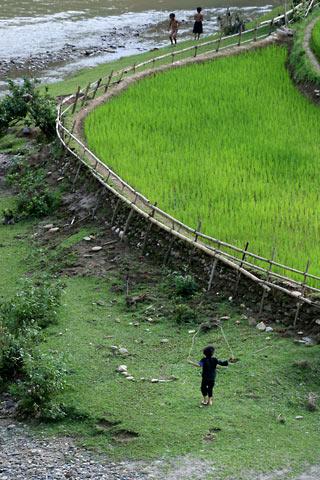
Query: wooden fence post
{"x": 148, "y": 230}
{"x": 115, "y": 211}
{"x": 240, "y": 33}
{"x": 127, "y": 223}
{"x": 270, "y": 27}
{"x": 213, "y": 269}
{"x": 153, "y": 62}
{"x": 197, "y": 231}
{"x": 219, "y": 41}
{"x": 267, "y": 279}
{"x": 76, "y": 176}
{"x": 299, "y": 304}
{"x": 121, "y": 76}
{"x": 96, "y": 88}
{"x": 85, "y": 95}
{"x": 255, "y": 33}
{"x": 71, "y": 132}
{"x": 167, "y": 255}
{"x": 76, "y": 101}
{"x": 241, "y": 264}
{"x": 108, "y": 82}
{"x": 195, "y": 50}
{"x": 172, "y": 57}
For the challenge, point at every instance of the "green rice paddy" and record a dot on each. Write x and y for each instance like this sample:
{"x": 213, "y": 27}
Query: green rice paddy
{"x": 230, "y": 142}
{"x": 315, "y": 40}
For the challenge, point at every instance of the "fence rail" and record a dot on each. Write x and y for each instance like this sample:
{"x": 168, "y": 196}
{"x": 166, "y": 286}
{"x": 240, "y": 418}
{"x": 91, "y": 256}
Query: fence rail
{"x": 249, "y": 264}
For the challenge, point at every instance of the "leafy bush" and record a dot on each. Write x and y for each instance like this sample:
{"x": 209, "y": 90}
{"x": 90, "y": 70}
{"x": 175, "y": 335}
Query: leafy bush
{"x": 184, "y": 314}
{"x": 26, "y": 102}
{"x": 13, "y": 349}
{"x": 35, "y": 304}
{"x": 44, "y": 377}
{"x": 34, "y": 199}
{"x": 185, "y": 285}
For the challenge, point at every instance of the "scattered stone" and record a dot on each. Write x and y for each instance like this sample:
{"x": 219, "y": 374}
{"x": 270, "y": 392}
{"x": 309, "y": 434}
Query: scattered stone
{"x": 164, "y": 340}
{"x": 312, "y": 402}
{"x": 300, "y": 332}
{"x": 317, "y": 321}
{"x": 96, "y": 249}
{"x": 123, "y": 351}
{"x": 237, "y": 322}
{"x": 136, "y": 324}
{"x": 114, "y": 348}
{"x": 49, "y": 226}
{"x": 281, "y": 418}
{"x": 54, "y": 230}
{"x": 296, "y": 293}
{"x": 122, "y": 368}
{"x": 125, "y": 374}
{"x": 191, "y": 331}
{"x": 130, "y": 377}
{"x": 299, "y": 417}
{"x": 261, "y": 326}
{"x": 225, "y": 317}
{"x": 242, "y": 305}
{"x": 87, "y": 239}
{"x": 269, "y": 329}
{"x": 154, "y": 380}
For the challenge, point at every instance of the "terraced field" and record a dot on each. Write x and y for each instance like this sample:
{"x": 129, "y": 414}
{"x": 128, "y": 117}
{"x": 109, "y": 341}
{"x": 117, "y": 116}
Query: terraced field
{"x": 230, "y": 142}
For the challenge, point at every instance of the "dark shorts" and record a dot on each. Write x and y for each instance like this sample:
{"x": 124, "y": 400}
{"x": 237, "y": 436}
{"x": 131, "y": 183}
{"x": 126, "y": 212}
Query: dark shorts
{"x": 207, "y": 387}
{"x": 197, "y": 27}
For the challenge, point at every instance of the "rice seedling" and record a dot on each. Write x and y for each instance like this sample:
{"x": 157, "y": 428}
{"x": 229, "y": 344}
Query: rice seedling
{"x": 230, "y": 142}
{"x": 315, "y": 40}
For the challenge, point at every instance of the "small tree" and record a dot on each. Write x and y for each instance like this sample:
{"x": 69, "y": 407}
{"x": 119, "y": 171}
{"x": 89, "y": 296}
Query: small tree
{"x": 24, "y": 101}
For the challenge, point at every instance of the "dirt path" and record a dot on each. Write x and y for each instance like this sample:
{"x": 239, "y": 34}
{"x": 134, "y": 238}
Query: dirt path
{"x": 306, "y": 45}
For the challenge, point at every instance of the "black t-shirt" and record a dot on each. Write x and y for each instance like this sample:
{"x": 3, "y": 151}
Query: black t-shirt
{"x": 209, "y": 366}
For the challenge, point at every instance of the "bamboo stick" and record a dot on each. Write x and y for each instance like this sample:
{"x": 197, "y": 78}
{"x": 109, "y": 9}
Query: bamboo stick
{"x": 76, "y": 100}
{"x": 96, "y": 88}
{"x": 115, "y": 211}
{"x": 241, "y": 264}
{"x": 212, "y": 272}
{"x": 264, "y": 293}
{"x": 108, "y": 82}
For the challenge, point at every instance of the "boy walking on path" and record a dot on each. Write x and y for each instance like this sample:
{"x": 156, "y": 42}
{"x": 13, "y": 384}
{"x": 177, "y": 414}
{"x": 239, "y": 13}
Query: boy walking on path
{"x": 197, "y": 27}
{"x": 173, "y": 28}
{"x": 209, "y": 366}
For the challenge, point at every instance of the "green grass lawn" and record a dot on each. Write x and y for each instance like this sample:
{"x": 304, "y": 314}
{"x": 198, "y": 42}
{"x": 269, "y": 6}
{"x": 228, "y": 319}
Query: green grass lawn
{"x": 14, "y": 249}
{"x": 250, "y": 394}
{"x": 230, "y": 142}
{"x": 315, "y": 39}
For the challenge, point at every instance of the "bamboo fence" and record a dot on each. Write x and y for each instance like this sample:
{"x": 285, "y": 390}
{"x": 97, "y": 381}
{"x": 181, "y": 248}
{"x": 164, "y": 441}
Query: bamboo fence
{"x": 256, "y": 268}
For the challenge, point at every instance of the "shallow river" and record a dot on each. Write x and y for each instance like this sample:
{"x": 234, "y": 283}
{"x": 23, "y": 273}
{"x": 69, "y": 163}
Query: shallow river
{"x": 49, "y": 39}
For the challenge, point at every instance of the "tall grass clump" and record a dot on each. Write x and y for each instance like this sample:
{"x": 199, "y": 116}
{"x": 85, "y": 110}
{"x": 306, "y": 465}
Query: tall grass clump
{"x": 230, "y": 142}
{"x": 315, "y": 40}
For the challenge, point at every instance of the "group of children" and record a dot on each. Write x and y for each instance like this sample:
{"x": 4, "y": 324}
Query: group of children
{"x": 174, "y": 26}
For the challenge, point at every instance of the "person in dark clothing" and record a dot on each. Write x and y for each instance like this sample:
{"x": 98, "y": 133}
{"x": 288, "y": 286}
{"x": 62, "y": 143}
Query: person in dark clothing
{"x": 197, "y": 27}
{"x": 209, "y": 366}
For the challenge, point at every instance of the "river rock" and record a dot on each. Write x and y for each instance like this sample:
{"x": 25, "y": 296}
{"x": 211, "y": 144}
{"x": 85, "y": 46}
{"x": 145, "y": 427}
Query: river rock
{"x": 269, "y": 329}
{"x": 123, "y": 351}
{"x": 96, "y": 249}
{"x": 122, "y": 368}
{"x": 261, "y": 326}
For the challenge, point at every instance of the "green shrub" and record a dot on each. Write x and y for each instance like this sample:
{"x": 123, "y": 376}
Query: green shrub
{"x": 13, "y": 349}
{"x": 34, "y": 198}
{"x": 315, "y": 40}
{"x": 184, "y": 314}
{"x": 25, "y": 102}
{"x": 35, "y": 304}
{"x": 185, "y": 285}
{"x": 44, "y": 377}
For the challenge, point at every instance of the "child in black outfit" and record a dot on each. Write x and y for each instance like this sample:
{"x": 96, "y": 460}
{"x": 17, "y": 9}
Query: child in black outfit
{"x": 209, "y": 365}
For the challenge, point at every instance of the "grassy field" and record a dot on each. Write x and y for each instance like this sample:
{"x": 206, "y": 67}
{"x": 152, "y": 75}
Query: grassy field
{"x": 231, "y": 142}
{"x": 315, "y": 39}
{"x": 239, "y": 433}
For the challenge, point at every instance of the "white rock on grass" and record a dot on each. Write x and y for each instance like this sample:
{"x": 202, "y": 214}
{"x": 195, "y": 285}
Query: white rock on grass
{"x": 87, "y": 239}
{"x": 261, "y": 326}
{"x": 96, "y": 249}
{"x": 123, "y": 351}
{"x": 122, "y": 368}
{"x": 164, "y": 340}
{"x": 47, "y": 227}
{"x": 154, "y": 380}
{"x": 54, "y": 230}
{"x": 130, "y": 377}
{"x": 269, "y": 329}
